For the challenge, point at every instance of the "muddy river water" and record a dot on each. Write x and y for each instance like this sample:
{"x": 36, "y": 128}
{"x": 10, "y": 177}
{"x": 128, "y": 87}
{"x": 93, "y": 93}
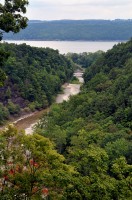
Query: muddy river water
{"x": 28, "y": 121}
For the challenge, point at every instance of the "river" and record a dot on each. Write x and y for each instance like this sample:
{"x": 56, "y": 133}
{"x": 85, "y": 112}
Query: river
{"x": 70, "y": 46}
{"x": 28, "y": 121}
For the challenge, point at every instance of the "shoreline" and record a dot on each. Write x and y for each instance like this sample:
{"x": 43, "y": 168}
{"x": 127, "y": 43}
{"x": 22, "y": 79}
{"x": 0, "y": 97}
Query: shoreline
{"x": 27, "y": 121}
{"x": 44, "y": 40}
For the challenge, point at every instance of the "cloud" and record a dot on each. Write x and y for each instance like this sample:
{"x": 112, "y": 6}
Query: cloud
{"x": 97, "y": 2}
{"x": 82, "y": 2}
{"x": 79, "y": 9}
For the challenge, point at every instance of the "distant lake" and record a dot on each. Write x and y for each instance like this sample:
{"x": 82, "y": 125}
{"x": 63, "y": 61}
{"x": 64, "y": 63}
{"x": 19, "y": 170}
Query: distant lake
{"x": 71, "y": 46}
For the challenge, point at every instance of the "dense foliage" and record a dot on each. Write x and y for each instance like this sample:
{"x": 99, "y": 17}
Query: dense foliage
{"x": 94, "y": 129}
{"x": 75, "y": 30}
{"x": 34, "y": 76}
{"x": 84, "y": 59}
{"x": 11, "y": 19}
{"x": 30, "y": 168}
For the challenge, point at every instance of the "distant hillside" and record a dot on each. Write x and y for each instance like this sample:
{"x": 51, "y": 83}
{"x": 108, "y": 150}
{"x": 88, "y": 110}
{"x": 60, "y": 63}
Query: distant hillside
{"x": 75, "y": 30}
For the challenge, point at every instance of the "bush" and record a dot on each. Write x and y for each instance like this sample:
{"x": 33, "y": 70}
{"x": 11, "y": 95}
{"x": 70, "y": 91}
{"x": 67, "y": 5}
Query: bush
{"x": 13, "y": 108}
{"x": 4, "y": 114}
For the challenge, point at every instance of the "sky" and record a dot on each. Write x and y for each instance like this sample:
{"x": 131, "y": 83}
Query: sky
{"x": 79, "y": 9}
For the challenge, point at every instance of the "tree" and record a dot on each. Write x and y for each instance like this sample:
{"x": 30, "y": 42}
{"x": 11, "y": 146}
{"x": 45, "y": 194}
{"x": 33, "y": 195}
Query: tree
{"x": 123, "y": 173}
{"x": 30, "y": 168}
{"x": 3, "y": 57}
{"x": 11, "y": 19}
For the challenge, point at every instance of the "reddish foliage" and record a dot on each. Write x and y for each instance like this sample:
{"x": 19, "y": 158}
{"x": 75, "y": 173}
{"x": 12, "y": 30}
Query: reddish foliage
{"x": 35, "y": 189}
{"x": 12, "y": 172}
{"x": 5, "y": 177}
{"x": 10, "y": 163}
{"x": 36, "y": 165}
{"x": 45, "y": 191}
{"x": 33, "y": 163}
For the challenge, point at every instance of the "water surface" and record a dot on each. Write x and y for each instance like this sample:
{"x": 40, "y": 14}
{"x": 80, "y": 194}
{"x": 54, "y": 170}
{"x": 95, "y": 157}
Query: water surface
{"x": 71, "y": 46}
{"x": 27, "y": 122}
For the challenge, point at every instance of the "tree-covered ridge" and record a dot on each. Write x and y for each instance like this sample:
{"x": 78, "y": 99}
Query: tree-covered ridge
{"x": 111, "y": 80}
{"x": 34, "y": 76}
{"x": 94, "y": 30}
{"x": 93, "y": 129}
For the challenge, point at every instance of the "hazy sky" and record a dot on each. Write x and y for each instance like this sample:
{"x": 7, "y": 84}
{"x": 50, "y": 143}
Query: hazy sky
{"x": 79, "y": 9}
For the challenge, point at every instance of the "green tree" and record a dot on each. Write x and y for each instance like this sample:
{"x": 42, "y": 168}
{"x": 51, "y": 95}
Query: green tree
{"x": 11, "y": 19}
{"x": 8, "y": 93}
{"x": 4, "y": 113}
{"x": 123, "y": 173}
{"x": 117, "y": 148}
{"x": 2, "y": 77}
{"x": 31, "y": 168}
{"x": 3, "y": 57}
{"x": 13, "y": 108}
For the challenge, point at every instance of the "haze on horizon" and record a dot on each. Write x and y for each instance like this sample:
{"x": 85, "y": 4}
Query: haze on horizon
{"x": 79, "y": 9}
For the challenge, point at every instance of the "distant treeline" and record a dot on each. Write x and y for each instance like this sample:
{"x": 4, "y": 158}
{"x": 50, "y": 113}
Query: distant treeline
{"x": 75, "y": 30}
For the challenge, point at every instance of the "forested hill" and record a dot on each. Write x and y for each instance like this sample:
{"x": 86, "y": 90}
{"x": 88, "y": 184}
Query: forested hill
{"x": 93, "y": 130}
{"x": 34, "y": 76}
{"x": 75, "y": 30}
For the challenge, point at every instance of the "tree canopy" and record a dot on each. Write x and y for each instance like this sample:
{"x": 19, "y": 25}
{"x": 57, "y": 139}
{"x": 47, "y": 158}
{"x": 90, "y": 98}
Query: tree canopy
{"x": 11, "y": 18}
{"x": 30, "y": 168}
{"x": 93, "y": 129}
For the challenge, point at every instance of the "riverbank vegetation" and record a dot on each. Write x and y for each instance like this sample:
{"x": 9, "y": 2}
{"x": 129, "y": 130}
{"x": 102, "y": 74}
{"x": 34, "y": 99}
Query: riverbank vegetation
{"x": 34, "y": 76}
{"x": 85, "y": 59}
{"x": 74, "y": 80}
{"x": 93, "y": 129}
